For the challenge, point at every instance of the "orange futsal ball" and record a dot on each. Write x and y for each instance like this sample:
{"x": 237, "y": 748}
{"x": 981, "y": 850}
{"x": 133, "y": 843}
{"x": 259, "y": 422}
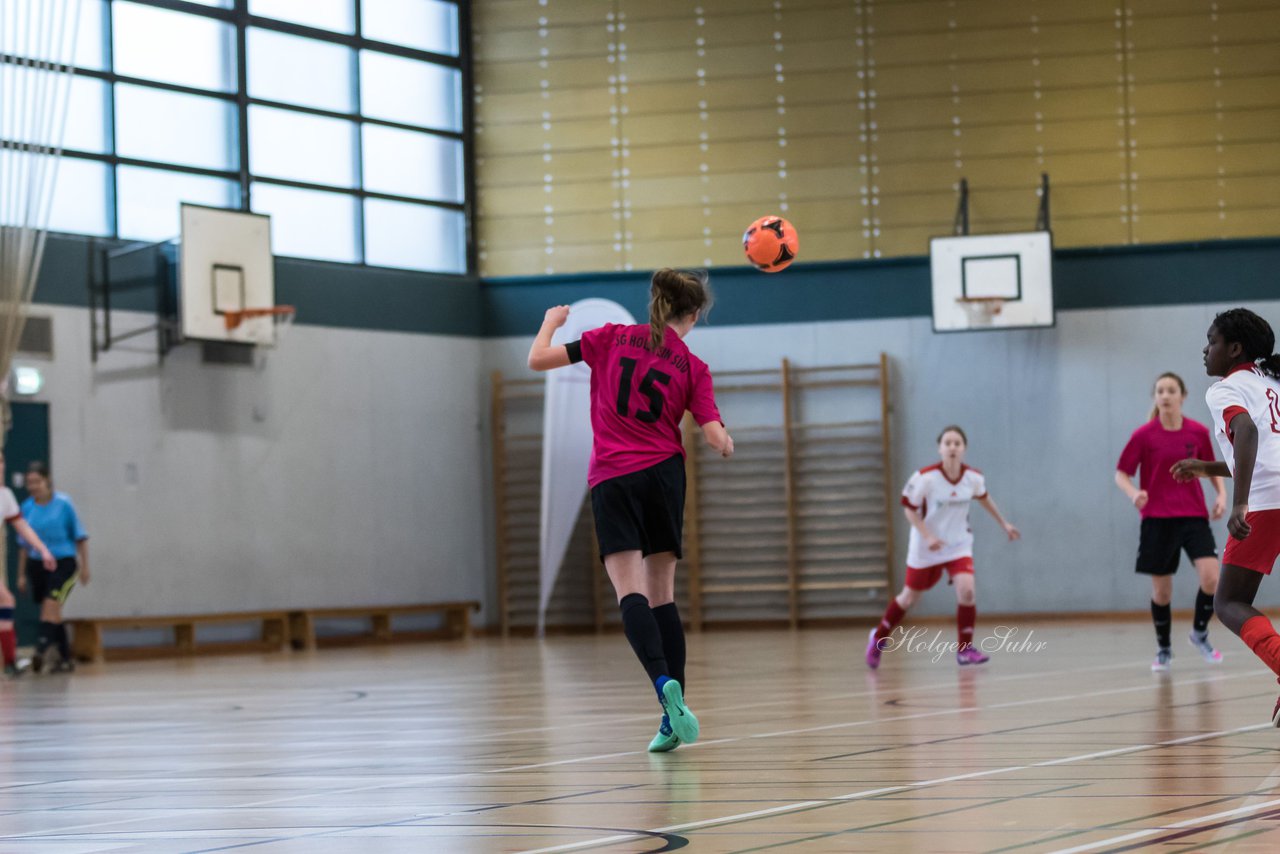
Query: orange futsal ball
{"x": 771, "y": 243}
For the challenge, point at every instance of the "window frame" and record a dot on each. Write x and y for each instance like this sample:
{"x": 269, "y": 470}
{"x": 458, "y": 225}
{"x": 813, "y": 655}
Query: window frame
{"x": 239, "y": 17}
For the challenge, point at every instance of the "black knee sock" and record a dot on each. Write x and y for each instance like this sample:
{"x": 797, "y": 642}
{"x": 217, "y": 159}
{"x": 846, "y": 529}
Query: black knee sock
{"x": 672, "y": 641}
{"x": 48, "y": 633}
{"x": 64, "y": 643}
{"x": 643, "y": 633}
{"x": 1161, "y": 616}
{"x": 1204, "y": 612}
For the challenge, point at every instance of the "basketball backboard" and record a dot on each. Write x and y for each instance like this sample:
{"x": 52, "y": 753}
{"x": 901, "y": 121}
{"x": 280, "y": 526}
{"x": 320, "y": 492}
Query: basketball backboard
{"x": 992, "y": 281}
{"x": 225, "y": 265}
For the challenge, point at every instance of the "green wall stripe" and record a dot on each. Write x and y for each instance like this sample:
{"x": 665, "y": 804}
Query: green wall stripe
{"x": 342, "y": 295}
{"x": 1110, "y": 277}
{"x": 354, "y": 297}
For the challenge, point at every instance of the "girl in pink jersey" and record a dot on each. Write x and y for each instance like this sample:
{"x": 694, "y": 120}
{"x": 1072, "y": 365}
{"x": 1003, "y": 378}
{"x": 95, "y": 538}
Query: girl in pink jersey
{"x": 643, "y": 380}
{"x": 936, "y": 502}
{"x": 1174, "y": 515}
{"x": 1245, "y": 404}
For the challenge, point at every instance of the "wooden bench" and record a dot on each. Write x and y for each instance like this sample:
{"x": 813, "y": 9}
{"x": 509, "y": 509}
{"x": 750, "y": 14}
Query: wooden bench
{"x": 86, "y": 642}
{"x": 302, "y": 624}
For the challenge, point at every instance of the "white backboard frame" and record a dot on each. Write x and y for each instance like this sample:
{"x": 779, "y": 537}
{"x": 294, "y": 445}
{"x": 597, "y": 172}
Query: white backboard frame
{"x": 225, "y": 264}
{"x": 1016, "y": 267}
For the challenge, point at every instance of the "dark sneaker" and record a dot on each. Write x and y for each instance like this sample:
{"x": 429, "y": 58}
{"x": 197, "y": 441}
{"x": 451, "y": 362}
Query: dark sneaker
{"x": 1161, "y": 663}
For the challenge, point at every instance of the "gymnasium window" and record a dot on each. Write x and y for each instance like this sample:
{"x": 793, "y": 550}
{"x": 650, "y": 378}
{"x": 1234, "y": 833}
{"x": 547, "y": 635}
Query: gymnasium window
{"x": 344, "y": 120}
{"x": 148, "y": 209}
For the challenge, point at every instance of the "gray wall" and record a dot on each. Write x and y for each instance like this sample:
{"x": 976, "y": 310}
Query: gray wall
{"x": 354, "y": 466}
{"x": 345, "y": 470}
{"x": 1047, "y": 413}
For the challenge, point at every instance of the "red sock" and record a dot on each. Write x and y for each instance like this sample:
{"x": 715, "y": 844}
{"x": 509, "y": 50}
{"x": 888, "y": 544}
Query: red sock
{"x": 9, "y": 645}
{"x": 1260, "y": 636}
{"x": 966, "y": 616}
{"x": 892, "y": 616}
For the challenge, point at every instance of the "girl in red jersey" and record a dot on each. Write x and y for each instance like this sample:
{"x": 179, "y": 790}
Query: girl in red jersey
{"x": 936, "y": 502}
{"x": 1174, "y": 517}
{"x": 1245, "y": 404}
{"x": 643, "y": 380}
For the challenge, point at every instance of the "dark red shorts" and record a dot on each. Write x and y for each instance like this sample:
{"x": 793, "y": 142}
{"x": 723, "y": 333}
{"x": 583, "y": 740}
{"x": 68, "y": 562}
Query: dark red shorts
{"x": 925, "y": 577}
{"x": 1259, "y": 550}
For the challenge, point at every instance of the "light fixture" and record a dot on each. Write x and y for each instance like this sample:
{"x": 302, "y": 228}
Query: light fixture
{"x": 27, "y": 380}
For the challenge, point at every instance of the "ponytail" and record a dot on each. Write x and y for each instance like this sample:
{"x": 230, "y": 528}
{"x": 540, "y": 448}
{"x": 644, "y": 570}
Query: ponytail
{"x": 674, "y": 294}
{"x": 659, "y": 314}
{"x": 1271, "y": 366}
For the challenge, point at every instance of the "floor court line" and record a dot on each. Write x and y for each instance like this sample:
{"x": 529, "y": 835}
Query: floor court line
{"x": 131, "y": 730}
{"x": 701, "y": 744}
{"x": 802, "y": 731}
{"x": 869, "y": 793}
{"x": 1177, "y": 825}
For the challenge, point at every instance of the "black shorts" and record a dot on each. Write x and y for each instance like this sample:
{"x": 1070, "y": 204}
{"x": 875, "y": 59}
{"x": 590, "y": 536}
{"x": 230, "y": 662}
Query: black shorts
{"x": 54, "y": 585}
{"x": 643, "y": 510}
{"x": 1162, "y": 539}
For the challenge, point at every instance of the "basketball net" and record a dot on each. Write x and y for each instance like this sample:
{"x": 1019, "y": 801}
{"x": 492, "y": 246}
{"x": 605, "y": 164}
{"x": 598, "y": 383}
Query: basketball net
{"x": 39, "y": 37}
{"x": 982, "y": 311}
{"x": 281, "y": 318}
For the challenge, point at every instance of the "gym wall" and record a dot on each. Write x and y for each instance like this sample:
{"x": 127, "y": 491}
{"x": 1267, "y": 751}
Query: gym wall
{"x": 631, "y": 135}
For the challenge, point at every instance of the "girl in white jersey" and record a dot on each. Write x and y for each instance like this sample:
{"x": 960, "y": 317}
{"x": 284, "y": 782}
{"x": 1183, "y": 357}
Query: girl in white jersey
{"x": 936, "y": 502}
{"x": 11, "y": 513}
{"x": 1245, "y": 404}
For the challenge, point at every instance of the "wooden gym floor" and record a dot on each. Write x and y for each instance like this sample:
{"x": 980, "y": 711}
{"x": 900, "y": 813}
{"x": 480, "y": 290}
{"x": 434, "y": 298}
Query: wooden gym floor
{"x": 491, "y": 745}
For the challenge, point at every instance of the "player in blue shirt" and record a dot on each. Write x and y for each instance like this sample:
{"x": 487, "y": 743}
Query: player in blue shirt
{"x": 53, "y": 517}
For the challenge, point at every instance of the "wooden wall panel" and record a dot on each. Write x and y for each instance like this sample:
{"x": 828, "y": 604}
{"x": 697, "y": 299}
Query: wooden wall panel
{"x": 704, "y": 116}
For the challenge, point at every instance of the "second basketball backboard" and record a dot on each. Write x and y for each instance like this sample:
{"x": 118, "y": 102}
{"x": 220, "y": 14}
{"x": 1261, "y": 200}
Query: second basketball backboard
{"x": 225, "y": 266}
{"x": 992, "y": 281}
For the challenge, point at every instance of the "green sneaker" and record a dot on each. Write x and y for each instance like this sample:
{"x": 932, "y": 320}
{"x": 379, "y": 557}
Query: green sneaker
{"x": 683, "y": 722}
{"x": 666, "y": 739}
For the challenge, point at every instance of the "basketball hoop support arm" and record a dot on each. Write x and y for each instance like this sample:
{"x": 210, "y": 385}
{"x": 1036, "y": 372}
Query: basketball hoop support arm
{"x": 960, "y": 227}
{"x": 100, "y": 289}
{"x": 1042, "y": 213}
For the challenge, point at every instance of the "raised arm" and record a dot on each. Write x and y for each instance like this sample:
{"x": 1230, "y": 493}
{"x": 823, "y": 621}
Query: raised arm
{"x": 542, "y": 355}
{"x": 990, "y": 505}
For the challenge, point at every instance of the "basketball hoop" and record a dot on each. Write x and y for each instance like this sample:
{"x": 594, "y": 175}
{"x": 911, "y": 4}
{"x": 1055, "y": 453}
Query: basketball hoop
{"x": 982, "y": 311}
{"x": 282, "y": 315}
{"x": 261, "y": 336}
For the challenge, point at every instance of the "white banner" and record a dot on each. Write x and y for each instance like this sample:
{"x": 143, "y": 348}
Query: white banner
{"x": 566, "y": 443}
